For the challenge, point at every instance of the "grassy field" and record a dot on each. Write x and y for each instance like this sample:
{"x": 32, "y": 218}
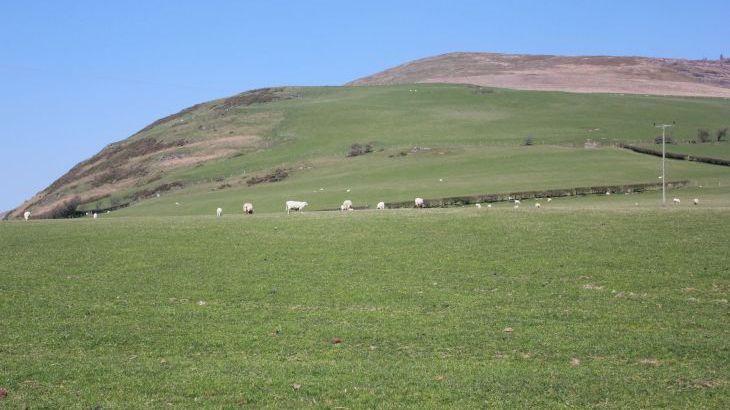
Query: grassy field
{"x": 614, "y": 307}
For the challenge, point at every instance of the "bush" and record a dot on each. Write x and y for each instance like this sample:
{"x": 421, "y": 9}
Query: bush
{"x": 66, "y": 209}
{"x": 530, "y": 140}
{"x": 279, "y": 174}
{"x": 703, "y": 135}
{"x": 667, "y": 140}
{"x": 357, "y": 149}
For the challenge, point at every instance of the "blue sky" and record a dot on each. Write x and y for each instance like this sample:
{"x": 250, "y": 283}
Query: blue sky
{"x": 78, "y": 75}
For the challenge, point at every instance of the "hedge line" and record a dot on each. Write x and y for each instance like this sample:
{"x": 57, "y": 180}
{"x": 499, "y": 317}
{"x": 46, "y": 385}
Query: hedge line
{"x": 671, "y": 155}
{"x": 552, "y": 193}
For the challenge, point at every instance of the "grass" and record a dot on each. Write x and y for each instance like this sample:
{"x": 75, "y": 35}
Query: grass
{"x": 614, "y": 307}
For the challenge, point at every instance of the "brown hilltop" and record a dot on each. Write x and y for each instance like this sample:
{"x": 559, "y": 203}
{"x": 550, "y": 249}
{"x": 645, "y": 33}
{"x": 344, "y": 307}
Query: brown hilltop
{"x": 595, "y": 74}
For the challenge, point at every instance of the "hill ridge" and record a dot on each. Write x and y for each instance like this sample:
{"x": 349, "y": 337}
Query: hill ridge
{"x": 582, "y": 74}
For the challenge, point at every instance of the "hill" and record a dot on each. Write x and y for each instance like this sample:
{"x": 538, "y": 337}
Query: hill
{"x": 589, "y": 74}
{"x": 429, "y": 140}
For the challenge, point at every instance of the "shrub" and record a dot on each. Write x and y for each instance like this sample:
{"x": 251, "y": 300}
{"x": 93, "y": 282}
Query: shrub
{"x": 279, "y": 174}
{"x": 530, "y": 140}
{"x": 357, "y": 149}
{"x": 667, "y": 140}
{"x": 66, "y": 209}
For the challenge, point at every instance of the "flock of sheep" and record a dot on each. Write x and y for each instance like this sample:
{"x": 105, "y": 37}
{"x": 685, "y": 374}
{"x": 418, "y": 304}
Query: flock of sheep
{"x": 347, "y": 206}
{"x": 418, "y": 203}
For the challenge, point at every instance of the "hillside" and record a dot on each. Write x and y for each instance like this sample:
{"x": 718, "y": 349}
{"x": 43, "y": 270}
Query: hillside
{"x": 591, "y": 74}
{"x": 431, "y": 140}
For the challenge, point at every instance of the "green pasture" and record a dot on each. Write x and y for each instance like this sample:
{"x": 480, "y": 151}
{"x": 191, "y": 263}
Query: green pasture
{"x": 565, "y": 306}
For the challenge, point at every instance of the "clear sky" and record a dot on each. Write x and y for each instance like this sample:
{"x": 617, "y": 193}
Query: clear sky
{"x": 78, "y": 75}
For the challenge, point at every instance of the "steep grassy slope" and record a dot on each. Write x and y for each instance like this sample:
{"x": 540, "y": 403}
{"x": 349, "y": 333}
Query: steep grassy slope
{"x": 457, "y": 308}
{"x": 471, "y": 135}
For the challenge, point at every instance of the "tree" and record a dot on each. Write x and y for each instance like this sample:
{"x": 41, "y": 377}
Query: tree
{"x": 703, "y": 135}
{"x": 721, "y": 134}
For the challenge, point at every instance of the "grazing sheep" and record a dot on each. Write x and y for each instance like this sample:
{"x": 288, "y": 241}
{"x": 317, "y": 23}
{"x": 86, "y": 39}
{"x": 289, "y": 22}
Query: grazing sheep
{"x": 537, "y": 205}
{"x": 489, "y": 205}
{"x": 219, "y": 212}
{"x": 94, "y": 215}
{"x": 26, "y": 215}
{"x": 346, "y": 205}
{"x": 516, "y": 206}
{"x": 381, "y": 205}
{"x": 608, "y": 192}
{"x": 517, "y": 201}
{"x": 419, "y": 203}
{"x": 549, "y": 199}
{"x": 696, "y": 201}
{"x": 479, "y": 206}
{"x": 295, "y": 206}
{"x": 676, "y": 200}
{"x": 247, "y": 208}
{"x": 177, "y": 203}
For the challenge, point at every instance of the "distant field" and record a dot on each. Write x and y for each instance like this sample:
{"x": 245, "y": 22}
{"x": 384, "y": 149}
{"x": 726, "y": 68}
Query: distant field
{"x": 462, "y": 171}
{"x": 615, "y": 307}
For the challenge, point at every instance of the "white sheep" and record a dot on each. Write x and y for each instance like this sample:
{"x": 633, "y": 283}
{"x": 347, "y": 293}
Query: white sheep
{"x": 381, "y": 205}
{"x": 489, "y": 205}
{"x": 608, "y": 192}
{"x": 346, "y": 205}
{"x": 517, "y": 201}
{"x": 696, "y": 201}
{"x": 479, "y": 206}
{"x": 295, "y": 206}
{"x": 26, "y": 215}
{"x": 549, "y": 199}
{"x": 676, "y": 200}
{"x": 419, "y": 203}
{"x": 537, "y": 205}
{"x": 516, "y": 206}
{"x": 343, "y": 208}
{"x": 94, "y": 215}
{"x": 219, "y": 212}
{"x": 247, "y": 208}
